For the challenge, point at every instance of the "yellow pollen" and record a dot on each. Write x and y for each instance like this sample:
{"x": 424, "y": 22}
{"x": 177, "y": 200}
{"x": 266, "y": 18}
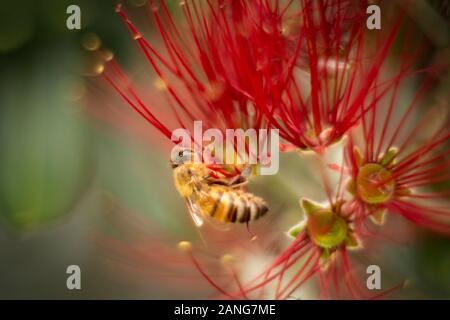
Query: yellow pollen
{"x": 184, "y": 246}
{"x": 160, "y": 84}
{"x": 227, "y": 259}
{"x": 138, "y": 3}
{"x": 214, "y": 91}
{"x": 99, "y": 68}
{"x": 137, "y": 36}
{"x": 91, "y": 42}
{"x": 107, "y": 55}
{"x": 75, "y": 90}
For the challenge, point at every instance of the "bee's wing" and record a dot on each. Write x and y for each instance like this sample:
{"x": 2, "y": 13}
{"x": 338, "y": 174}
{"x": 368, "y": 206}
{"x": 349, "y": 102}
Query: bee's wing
{"x": 247, "y": 171}
{"x": 195, "y": 212}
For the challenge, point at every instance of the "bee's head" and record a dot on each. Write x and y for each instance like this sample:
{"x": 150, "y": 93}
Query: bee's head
{"x": 181, "y": 156}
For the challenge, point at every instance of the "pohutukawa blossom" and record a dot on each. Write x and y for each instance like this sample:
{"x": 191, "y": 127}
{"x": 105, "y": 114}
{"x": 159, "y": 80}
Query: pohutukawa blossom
{"x": 328, "y": 232}
{"x": 335, "y": 75}
{"x": 319, "y": 250}
{"x": 312, "y": 70}
{"x": 323, "y": 239}
{"x": 213, "y": 66}
{"x": 401, "y": 165}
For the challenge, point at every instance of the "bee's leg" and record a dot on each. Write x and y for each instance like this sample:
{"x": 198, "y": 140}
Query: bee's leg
{"x": 237, "y": 180}
{"x": 239, "y": 185}
{"x": 254, "y": 236}
{"x": 207, "y": 178}
{"x": 246, "y": 172}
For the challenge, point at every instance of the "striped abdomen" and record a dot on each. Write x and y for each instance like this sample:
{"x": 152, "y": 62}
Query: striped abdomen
{"x": 232, "y": 205}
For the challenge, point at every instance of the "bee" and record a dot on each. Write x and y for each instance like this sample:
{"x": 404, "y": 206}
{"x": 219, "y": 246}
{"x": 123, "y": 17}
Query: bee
{"x": 223, "y": 199}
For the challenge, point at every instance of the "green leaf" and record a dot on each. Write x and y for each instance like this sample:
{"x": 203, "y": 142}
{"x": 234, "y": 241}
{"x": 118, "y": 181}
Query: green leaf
{"x": 295, "y": 230}
{"x": 388, "y": 158}
{"x": 308, "y": 206}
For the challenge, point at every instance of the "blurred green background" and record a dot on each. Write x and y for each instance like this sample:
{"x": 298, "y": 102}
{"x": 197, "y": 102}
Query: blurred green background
{"x": 62, "y": 174}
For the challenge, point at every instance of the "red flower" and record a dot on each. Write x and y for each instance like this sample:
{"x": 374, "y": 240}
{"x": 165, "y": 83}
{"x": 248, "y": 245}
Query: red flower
{"x": 303, "y": 68}
{"x": 400, "y": 164}
{"x": 336, "y": 74}
{"x": 213, "y": 65}
{"x": 311, "y": 72}
{"x": 320, "y": 249}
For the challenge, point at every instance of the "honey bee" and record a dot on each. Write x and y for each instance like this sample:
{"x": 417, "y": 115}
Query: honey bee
{"x": 223, "y": 199}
